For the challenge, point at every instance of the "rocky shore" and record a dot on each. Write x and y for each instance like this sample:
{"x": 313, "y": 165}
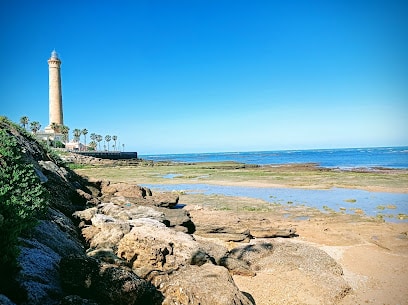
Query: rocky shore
{"x": 136, "y": 247}
{"x": 108, "y": 242}
{"x": 118, "y": 243}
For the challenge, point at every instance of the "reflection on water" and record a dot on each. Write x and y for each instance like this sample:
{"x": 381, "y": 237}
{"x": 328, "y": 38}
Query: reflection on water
{"x": 171, "y": 176}
{"x": 338, "y": 199}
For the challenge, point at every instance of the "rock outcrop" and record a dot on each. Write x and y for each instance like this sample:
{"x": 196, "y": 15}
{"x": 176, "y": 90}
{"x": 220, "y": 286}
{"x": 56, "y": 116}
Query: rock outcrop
{"x": 143, "y": 233}
{"x": 237, "y": 230}
{"x": 197, "y": 285}
{"x": 105, "y": 283}
{"x": 117, "y": 243}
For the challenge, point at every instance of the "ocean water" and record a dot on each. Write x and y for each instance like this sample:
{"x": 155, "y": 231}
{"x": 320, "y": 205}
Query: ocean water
{"x": 337, "y": 199}
{"x": 389, "y": 157}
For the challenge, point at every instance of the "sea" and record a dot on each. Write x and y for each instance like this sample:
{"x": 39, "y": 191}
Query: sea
{"x": 392, "y": 207}
{"x": 344, "y": 158}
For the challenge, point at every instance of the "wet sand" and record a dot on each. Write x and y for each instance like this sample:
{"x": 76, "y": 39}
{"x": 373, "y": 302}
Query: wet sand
{"x": 372, "y": 253}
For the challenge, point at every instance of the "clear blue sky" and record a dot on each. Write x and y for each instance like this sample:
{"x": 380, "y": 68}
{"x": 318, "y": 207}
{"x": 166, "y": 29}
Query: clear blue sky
{"x": 213, "y": 75}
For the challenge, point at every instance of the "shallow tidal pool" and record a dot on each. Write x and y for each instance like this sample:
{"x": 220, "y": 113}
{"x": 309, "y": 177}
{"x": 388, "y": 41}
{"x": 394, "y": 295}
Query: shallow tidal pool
{"x": 391, "y": 207}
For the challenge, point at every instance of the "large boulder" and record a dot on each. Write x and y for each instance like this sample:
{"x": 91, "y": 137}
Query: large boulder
{"x": 312, "y": 269}
{"x": 105, "y": 283}
{"x": 130, "y": 211}
{"x": 52, "y": 239}
{"x": 124, "y": 189}
{"x": 38, "y": 277}
{"x": 150, "y": 245}
{"x": 237, "y": 228}
{"x": 124, "y": 210}
{"x": 199, "y": 285}
{"x": 105, "y": 231}
{"x": 178, "y": 219}
{"x": 122, "y": 193}
{"x": 166, "y": 200}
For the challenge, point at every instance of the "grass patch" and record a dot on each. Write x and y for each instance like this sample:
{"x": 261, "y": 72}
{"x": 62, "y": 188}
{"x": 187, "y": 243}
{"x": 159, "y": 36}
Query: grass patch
{"x": 224, "y": 208}
{"x": 74, "y": 166}
{"x": 253, "y": 209}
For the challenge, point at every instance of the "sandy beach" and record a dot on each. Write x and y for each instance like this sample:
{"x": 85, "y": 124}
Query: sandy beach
{"x": 372, "y": 253}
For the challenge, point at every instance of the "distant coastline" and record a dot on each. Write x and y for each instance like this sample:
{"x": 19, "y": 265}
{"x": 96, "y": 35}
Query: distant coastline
{"x": 370, "y": 157}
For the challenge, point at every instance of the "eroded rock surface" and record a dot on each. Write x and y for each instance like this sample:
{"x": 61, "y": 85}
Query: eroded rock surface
{"x": 204, "y": 285}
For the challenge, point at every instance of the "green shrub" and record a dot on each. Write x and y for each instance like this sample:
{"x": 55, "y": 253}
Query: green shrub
{"x": 58, "y": 144}
{"x": 22, "y": 198}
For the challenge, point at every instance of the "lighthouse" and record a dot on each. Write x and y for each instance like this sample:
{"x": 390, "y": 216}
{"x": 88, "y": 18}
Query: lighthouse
{"x": 55, "y": 93}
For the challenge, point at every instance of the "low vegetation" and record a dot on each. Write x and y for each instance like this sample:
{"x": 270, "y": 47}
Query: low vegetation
{"x": 22, "y": 197}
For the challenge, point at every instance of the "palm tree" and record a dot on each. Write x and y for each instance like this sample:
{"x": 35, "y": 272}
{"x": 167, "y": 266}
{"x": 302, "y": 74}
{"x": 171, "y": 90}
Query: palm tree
{"x": 114, "y": 138}
{"x": 92, "y": 144}
{"x": 107, "y": 139}
{"x": 35, "y": 126}
{"x": 84, "y": 132}
{"x": 77, "y": 133}
{"x": 65, "y": 130}
{"x": 93, "y": 136}
{"x": 24, "y": 121}
{"x": 99, "y": 139}
{"x": 55, "y": 127}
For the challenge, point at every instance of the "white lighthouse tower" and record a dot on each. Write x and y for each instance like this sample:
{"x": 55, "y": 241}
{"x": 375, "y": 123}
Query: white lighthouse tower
{"x": 55, "y": 92}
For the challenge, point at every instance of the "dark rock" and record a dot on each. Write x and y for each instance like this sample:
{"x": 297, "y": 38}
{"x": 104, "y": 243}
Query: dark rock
{"x": 49, "y": 166}
{"x": 40, "y": 254}
{"x": 5, "y": 300}
{"x": 76, "y": 300}
{"x": 40, "y": 175}
{"x": 94, "y": 186}
{"x": 237, "y": 266}
{"x": 215, "y": 251}
{"x": 107, "y": 284}
{"x": 58, "y": 233}
{"x": 78, "y": 273}
{"x": 106, "y": 255}
{"x": 178, "y": 218}
{"x": 118, "y": 286}
{"x": 252, "y": 253}
{"x": 38, "y": 276}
